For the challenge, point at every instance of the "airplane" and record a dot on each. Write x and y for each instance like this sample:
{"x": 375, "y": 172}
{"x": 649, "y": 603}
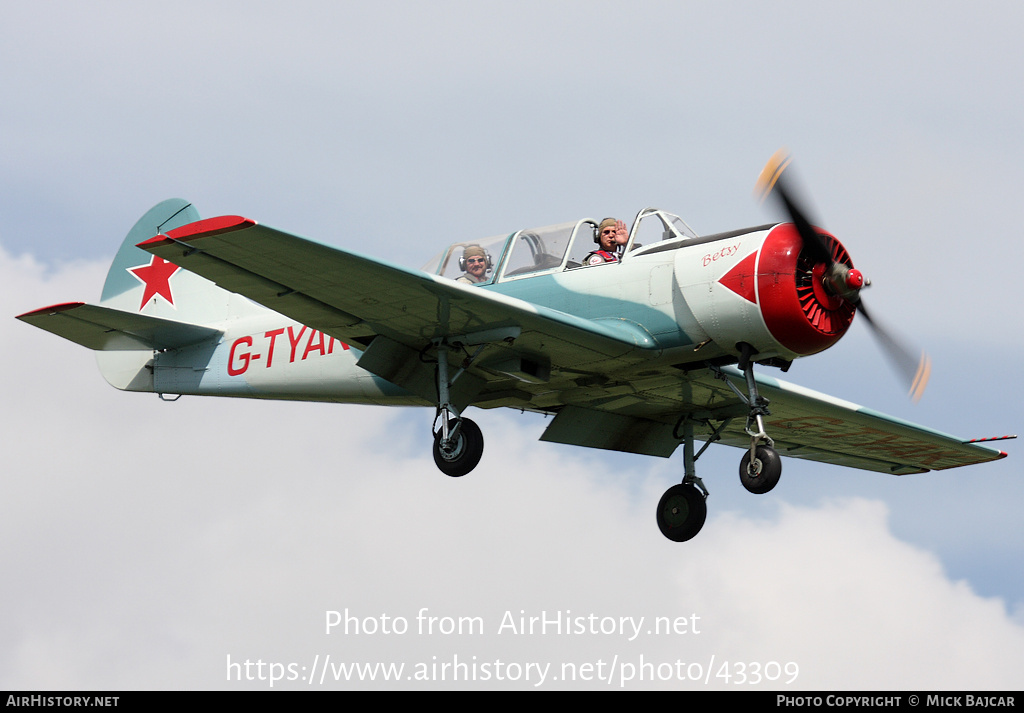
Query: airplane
{"x": 653, "y": 348}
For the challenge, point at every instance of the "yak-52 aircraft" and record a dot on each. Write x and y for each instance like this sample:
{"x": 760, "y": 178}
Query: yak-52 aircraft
{"x": 653, "y": 348}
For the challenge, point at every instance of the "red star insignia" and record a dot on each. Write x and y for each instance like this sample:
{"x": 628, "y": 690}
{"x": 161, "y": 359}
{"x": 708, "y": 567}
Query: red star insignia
{"x": 156, "y": 276}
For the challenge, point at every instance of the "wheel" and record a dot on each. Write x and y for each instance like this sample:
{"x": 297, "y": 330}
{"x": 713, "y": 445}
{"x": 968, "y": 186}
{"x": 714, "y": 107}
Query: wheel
{"x": 464, "y": 453}
{"x": 765, "y": 472}
{"x": 681, "y": 512}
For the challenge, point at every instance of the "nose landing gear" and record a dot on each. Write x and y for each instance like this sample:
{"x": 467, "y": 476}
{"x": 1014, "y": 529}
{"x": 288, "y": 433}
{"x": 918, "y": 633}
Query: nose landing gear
{"x": 682, "y": 510}
{"x": 762, "y": 473}
{"x": 761, "y": 467}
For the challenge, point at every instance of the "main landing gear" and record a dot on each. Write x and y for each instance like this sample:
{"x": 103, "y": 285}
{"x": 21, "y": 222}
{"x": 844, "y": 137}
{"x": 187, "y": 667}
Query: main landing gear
{"x": 682, "y": 510}
{"x": 458, "y": 441}
{"x": 458, "y": 453}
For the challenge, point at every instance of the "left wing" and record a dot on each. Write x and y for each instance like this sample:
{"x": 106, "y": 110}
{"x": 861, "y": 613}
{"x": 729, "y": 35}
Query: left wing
{"x": 359, "y": 299}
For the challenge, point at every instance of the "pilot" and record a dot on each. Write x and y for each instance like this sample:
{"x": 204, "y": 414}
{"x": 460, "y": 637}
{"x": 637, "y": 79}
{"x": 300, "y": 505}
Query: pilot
{"x": 475, "y": 263}
{"x": 611, "y": 238}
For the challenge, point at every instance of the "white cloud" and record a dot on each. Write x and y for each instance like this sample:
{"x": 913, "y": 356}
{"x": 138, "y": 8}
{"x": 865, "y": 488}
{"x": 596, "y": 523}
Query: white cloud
{"x": 144, "y": 543}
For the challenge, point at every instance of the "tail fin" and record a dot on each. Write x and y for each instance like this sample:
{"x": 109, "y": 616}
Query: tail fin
{"x": 141, "y": 283}
{"x": 121, "y": 280}
{"x": 147, "y": 304}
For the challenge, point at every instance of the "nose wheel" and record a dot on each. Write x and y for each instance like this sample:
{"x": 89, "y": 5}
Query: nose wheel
{"x": 763, "y": 472}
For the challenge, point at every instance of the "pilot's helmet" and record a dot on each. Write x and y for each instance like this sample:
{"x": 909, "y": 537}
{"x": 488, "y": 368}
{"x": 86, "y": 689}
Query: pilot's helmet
{"x": 474, "y": 251}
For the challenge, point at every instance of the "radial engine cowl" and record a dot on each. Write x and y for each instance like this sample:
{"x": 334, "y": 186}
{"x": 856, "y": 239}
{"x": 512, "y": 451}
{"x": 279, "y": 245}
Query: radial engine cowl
{"x": 764, "y": 289}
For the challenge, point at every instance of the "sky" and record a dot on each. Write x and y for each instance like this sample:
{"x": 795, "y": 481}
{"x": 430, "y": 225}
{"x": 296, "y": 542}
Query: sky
{"x": 210, "y": 544}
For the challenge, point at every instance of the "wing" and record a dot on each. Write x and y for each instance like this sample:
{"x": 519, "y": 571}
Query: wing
{"x": 397, "y": 313}
{"x": 106, "y": 329}
{"x": 803, "y": 423}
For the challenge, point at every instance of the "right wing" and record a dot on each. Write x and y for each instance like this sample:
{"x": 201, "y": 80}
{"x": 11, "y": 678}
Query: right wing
{"x": 803, "y": 424}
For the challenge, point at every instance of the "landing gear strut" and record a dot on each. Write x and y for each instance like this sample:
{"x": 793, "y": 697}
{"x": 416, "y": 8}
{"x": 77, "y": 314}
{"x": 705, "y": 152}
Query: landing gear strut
{"x": 761, "y": 467}
{"x": 458, "y": 442}
{"x": 683, "y": 508}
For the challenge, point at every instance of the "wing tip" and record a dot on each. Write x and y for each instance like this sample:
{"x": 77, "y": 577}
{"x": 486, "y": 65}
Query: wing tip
{"x": 201, "y": 228}
{"x": 989, "y": 439}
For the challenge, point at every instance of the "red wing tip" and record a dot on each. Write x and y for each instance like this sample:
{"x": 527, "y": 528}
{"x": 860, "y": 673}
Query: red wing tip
{"x": 202, "y": 228}
{"x": 52, "y": 309}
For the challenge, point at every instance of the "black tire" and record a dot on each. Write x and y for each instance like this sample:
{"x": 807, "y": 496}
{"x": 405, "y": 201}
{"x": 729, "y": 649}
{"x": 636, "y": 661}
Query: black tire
{"x": 766, "y": 471}
{"x": 682, "y": 511}
{"x": 463, "y": 457}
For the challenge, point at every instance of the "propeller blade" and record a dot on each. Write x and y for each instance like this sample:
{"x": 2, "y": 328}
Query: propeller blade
{"x": 771, "y": 181}
{"x": 913, "y": 371}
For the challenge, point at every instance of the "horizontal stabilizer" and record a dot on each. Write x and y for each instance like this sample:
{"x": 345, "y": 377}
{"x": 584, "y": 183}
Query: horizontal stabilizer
{"x": 105, "y": 329}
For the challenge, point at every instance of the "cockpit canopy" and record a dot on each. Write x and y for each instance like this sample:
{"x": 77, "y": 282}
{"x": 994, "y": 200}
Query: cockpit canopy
{"x": 556, "y": 247}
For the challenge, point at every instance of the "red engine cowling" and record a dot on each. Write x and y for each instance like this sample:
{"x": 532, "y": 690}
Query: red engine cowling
{"x": 763, "y": 288}
{"x": 801, "y": 312}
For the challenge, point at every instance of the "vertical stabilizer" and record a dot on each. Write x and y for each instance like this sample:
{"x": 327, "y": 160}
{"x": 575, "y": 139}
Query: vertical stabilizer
{"x": 167, "y": 215}
{"x": 142, "y": 284}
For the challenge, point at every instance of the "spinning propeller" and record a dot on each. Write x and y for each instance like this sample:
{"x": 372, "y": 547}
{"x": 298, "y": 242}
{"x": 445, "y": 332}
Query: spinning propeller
{"x": 840, "y": 279}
